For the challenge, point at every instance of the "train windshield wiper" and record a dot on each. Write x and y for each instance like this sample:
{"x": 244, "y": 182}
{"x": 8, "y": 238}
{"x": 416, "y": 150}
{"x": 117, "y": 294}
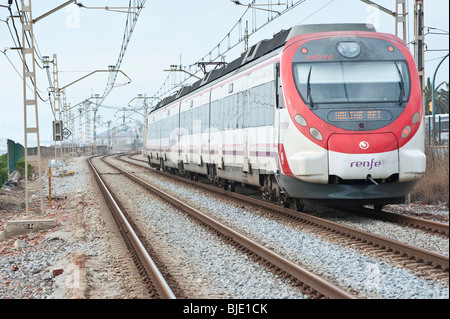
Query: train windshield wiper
{"x": 401, "y": 85}
{"x": 308, "y": 91}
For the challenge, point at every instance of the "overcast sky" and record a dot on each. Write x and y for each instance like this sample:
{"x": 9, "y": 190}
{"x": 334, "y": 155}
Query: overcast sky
{"x": 86, "y": 40}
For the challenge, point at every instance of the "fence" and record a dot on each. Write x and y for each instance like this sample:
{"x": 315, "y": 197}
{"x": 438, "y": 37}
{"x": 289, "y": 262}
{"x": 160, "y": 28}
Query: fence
{"x": 437, "y": 130}
{"x": 15, "y": 152}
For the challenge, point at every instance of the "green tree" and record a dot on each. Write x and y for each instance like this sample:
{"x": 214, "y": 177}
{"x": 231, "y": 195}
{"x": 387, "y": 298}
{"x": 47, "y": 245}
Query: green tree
{"x": 440, "y": 98}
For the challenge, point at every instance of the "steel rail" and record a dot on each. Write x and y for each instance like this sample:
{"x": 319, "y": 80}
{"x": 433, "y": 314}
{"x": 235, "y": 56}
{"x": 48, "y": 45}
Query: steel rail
{"x": 152, "y": 270}
{"x": 317, "y": 283}
{"x": 366, "y": 237}
{"x": 407, "y": 220}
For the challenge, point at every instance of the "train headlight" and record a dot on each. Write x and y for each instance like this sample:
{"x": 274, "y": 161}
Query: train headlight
{"x": 315, "y": 133}
{"x": 415, "y": 118}
{"x": 300, "y": 120}
{"x": 349, "y": 49}
{"x": 406, "y": 131}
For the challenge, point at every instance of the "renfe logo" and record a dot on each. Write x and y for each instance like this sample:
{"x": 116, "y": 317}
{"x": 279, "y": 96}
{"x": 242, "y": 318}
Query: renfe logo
{"x": 364, "y": 145}
{"x": 366, "y": 164}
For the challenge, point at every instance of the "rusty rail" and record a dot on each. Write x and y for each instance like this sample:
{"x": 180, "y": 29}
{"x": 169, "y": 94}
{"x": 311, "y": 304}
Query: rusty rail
{"x": 428, "y": 225}
{"x": 127, "y": 231}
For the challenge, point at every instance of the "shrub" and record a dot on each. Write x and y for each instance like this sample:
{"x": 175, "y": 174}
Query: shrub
{"x": 3, "y": 169}
{"x": 433, "y": 187}
{"x": 3, "y": 176}
{"x": 3, "y": 161}
{"x": 20, "y": 166}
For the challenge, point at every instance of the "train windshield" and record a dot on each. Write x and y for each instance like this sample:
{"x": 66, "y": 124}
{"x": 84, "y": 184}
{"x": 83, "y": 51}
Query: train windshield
{"x": 353, "y": 82}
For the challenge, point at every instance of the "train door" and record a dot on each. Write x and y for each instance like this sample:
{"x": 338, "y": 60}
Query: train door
{"x": 246, "y": 124}
{"x": 279, "y": 105}
{"x": 199, "y": 138}
{"x": 179, "y": 133}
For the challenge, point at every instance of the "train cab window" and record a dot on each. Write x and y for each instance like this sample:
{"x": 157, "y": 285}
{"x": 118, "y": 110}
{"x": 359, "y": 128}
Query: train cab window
{"x": 353, "y": 82}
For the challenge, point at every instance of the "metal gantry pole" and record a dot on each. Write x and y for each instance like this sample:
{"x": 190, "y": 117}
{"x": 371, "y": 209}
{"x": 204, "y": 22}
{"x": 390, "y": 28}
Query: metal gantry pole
{"x": 58, "y": 124}
{"x": 109, "y": 137}
{"x": 31, "y": 118}
{"x": 144, "y": 135}
{"x": 72, "y": 146}
{"x": 88, "y": 147}
{"x": 433, "y": 100}
{"x": 95, "y": 125}
{"x": 400, "y": 19}
{"x": 419, "y": 52}
{"x": 65, "y": 123}
{"x": 80, "y": 132}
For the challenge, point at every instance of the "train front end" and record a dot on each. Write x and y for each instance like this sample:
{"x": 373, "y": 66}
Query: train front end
{"x": 354, "y": 107}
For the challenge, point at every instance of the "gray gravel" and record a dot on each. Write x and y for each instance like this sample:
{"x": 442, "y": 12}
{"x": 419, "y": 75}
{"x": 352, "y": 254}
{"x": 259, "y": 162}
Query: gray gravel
{"x": 218, "y": 269}
{"x": 372, "y": 278}
{"x": 29, "y": 272}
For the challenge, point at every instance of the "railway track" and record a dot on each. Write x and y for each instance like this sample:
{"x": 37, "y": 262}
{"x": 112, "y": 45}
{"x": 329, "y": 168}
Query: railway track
{"x": 429, "y": 226}
{"x": 414, "y": 222}
{"x": 142, "y": 258}
{"x": 414, "y": 258}
{"x": 310, "y": 283}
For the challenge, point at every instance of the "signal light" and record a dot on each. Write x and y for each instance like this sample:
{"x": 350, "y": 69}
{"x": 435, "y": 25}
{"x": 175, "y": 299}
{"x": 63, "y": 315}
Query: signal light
{"x": 304, "y": 50}
{"x": 391, "y": 48}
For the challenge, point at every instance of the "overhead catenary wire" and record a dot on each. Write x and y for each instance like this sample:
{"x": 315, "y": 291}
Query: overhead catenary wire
{"x": 226, "y": 42}
{"x": 20, "y": 75}
{"x": 18, "y": 46}
{"x": 36, "y": 47}
{"x": 135, "y": 7}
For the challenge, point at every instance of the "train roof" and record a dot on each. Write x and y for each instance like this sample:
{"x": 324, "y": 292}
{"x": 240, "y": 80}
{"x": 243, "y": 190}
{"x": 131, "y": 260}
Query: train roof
{"x": 260, "y": 49}
{"x": 316, "y": 28}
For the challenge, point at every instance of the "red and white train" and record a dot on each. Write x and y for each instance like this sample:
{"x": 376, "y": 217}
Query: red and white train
{"x": 330, "y": 114}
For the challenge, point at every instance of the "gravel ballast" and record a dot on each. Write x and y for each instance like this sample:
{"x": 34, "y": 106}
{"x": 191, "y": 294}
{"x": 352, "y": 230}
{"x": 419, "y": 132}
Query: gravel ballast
{"x": 371, "y": 277}
{"x": 48, "y": 264}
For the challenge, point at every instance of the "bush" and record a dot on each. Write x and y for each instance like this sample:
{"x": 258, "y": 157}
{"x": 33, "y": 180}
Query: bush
{"x": 3, "y": 161}
{"x": 20, "y": 166}
{"x": 3, "y": 176}
{"x": 433, "y": 187}
{"x": 3, "y": 169}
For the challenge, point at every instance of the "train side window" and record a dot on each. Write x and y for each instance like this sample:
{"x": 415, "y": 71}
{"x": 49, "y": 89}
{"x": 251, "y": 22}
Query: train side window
{"x": 261, "y": 105}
